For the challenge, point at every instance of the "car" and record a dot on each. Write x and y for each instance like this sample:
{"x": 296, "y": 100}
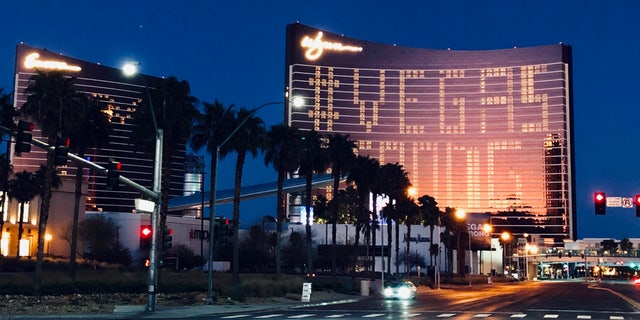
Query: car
{"x": 399, "y": 290}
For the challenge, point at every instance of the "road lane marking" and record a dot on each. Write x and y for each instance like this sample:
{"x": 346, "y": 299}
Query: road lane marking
{"x": 616, "y": 317}
{"x": 584, "y": 316}
{"x": 269, "y": 316}
{"x": 518, "y": 315}
{"x": 551, "y": 316}
{"x": 236, "y": 316}
{"x": 410, "y": 315}
{"x": 373, "y": 315}
{"x": 446, "y": 315}
{"x": 338, "y": 315}
{"x": 482, "y": 315}
{"x": 301, "y": 316}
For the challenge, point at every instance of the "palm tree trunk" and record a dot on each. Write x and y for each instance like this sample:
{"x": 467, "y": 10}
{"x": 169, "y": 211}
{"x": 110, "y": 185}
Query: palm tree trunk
{"x": 76, "y": 214}
{"x": 334, "y": 221}
{"x": 42, "y": 223}
{"x": 236, "y": 216}
{"x": 408, "y": 262}
{"x": 309, "y": 181}
{"x": 20, "y": 228}
{"x": 397, "y": 243}
{"x": 389, "y": 236}
{"x": 280, "y": 213}
{"x": 373, "y": 228}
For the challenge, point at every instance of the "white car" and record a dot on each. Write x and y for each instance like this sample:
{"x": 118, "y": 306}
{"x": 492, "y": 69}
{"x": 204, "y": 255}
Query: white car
{"x": 399, "y": 290}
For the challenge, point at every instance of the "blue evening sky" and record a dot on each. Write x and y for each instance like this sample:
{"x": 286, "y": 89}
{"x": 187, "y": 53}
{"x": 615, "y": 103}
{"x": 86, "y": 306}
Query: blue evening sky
{"x": 233, "y": 51}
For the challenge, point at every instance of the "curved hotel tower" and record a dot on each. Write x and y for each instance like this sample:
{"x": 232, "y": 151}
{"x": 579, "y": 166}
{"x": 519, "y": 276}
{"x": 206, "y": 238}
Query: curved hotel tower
{"x": 487, "y": 131}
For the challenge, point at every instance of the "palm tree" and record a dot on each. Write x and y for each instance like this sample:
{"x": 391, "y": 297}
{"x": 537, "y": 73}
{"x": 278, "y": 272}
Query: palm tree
{"x": 341, "y": 156}
{"x": 175, "y": 114}
{"x": 250, "y": 138}
{"x": 91, "y": 128}
{"x": 50, "y": 103}
{"x": 211, "y": 129}
{"x": 313, "y": 160}
{"x": 283, "y": 151}
{"x": 7, "y": 119}
{"x": 411, "y": 212}
{"x": 364, "y": 174}
{"x": 395, "y": 182}
{"x": 22, "y": 188}
{"x": 430, "y": 212}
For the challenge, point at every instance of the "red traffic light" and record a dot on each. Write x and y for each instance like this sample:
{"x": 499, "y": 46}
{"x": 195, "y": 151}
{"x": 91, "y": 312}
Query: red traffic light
{"x": 600, "y": 202}
{"x": 145, "y": 231}
{"x": 25, "y": 126}
{"x": 637, "y": 200}
{"x": 599, "y": 196}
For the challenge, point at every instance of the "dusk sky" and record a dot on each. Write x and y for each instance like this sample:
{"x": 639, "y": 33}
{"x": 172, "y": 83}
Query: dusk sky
{"x": 233, "y": 51}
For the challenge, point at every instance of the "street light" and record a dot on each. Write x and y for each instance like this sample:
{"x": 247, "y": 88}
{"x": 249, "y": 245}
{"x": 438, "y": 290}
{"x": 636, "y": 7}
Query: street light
{"x": 459, "y": 214}
{"x": 296, "y": 101}
{"x": 505, "y": 237}
{"x": 131, "y": 69}
{"x": 488, "y": 228}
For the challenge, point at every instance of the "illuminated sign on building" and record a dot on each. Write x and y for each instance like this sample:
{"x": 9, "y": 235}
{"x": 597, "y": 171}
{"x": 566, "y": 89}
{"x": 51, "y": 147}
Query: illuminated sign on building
{"x": 316, "y": 46}
{"x": 31, "y": 62}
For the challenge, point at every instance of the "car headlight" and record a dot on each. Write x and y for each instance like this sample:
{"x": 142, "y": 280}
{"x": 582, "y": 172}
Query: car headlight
{"x": 404, "y": 293}
{"x": 387, "y": 292}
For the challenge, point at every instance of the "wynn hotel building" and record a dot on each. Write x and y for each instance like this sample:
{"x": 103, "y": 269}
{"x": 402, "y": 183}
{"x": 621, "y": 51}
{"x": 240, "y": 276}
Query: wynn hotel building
{"x": 487, "y": 131}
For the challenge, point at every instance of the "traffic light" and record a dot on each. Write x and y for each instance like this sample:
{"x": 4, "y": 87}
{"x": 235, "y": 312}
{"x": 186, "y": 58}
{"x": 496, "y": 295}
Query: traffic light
{"x": 600, "y": 202}
{"x": 23, "y": 137}
{"x": 167, "y": 237}
{"x": 146, "y": 233}
{"x": 113, "y": 174}
{"x": 61, "y": 151}
{"x": 636, "y": 202}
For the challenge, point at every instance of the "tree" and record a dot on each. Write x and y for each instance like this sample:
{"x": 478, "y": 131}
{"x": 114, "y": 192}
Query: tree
{"x": 50, "y": 103}
{"x": 364, "y": 173}
{"x": 395, "y": 182}
{"x": 175, "y": 114}
{"x": 430, "y": 212}
{"x": 22, "y": 188}
{"x": 283, "y": 151}
{"x": 100, "y": 236}
{"x": 313, "y": 160}
{"x": 250, "y": 138}
{"x": 7, "y": 119}
{"x": 411, "y": 212}
{"x": 341, "y": 155}
{"x": 90, "y": 128}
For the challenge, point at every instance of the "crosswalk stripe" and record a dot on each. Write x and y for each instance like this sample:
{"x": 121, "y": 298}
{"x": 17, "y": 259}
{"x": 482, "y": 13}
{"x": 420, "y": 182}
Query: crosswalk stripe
{"x": 300, "y": 316}
{"x": 269, "y": 316}
{"x": 519, "y": 315}
{"x": 373, "y": 315}
{"x": 616, "y": 317}
{"x": 482, "y": 315}
{"x": 551, "y": 316}
{"x": 410, "y": 315}
{"x": 445, "y": 315}
{"x": 580, "y": 316}
{"x": 236, "y": 316}
{"x": 338, "y": 315}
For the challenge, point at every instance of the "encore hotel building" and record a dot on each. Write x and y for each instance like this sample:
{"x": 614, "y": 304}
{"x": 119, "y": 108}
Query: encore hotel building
{"x": 487, "y": 131}
{"x": 119, "y": 96}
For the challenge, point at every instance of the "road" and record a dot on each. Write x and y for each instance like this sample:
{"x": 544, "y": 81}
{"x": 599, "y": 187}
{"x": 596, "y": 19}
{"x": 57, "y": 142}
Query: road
{"x": 527, "y": 300}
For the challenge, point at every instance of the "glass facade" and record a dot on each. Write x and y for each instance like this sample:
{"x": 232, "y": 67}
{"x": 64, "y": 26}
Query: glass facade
{"x": 120, "y": 97}
{"x": 487, "y": 131}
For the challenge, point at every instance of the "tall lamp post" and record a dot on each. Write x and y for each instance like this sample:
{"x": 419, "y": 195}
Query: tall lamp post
{"x": 505, "y": 237}
{"x": 296, "y": 102}
{"x": 488, "y": 228}
{"x": 131, "y": 69}
{"x": 460, "y": 215}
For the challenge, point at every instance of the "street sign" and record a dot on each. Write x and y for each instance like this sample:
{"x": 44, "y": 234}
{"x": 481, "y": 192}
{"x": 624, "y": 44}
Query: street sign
{"x": 614, "y": 202}
{"x": 627, "y": 203}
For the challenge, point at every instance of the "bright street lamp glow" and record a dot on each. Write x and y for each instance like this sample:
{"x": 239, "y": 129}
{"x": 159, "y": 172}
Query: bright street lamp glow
{"x": 460, "y": 214}
{"x": 297, "y": 101}
{"x": 129, "y": 69}
{"x": 487, "y": 227}
{"x": 412, "y": 191}
{"x": 505, "y": 236}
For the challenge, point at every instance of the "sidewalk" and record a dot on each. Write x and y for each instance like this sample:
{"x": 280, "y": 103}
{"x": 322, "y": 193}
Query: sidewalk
{"x": 182, "y": 312}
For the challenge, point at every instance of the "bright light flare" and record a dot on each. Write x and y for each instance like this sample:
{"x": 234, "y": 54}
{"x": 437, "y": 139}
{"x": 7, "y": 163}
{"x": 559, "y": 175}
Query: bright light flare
{"x": 129, "y": 69}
